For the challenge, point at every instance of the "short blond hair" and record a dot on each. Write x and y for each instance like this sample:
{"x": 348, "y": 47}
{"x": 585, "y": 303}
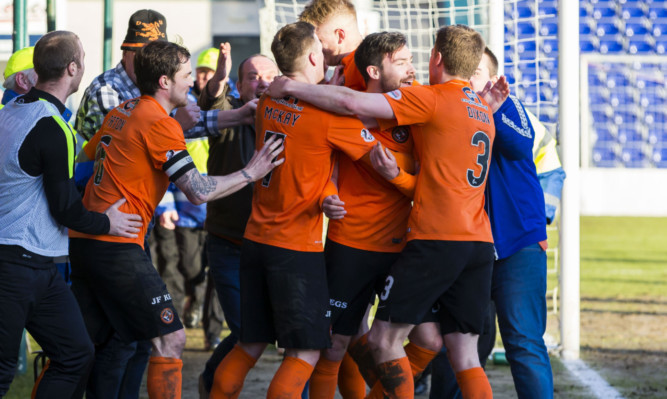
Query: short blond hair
{"x": 318, "y": 11}
{"x": 461, "y": 48}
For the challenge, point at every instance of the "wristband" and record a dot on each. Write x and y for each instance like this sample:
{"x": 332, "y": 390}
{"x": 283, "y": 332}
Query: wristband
{"x": 246, "y": 175}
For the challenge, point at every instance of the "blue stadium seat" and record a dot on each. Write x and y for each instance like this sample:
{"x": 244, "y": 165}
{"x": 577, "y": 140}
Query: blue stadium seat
{"x": 528, "y": 78}
{"x": 549, "y": 26}
{"x": 618, "y": 78}
{"x": 635, "y": 29}
{"x": 659, "y": 156}
{"x": 650, "y": 99}
{"x": 657, "y": 12}
{"x": 550, "y": 46}
{"x": 659, "y": 29}
{"x": 604, "y": 135}
{"x": 550, "y": 65}
{"x": 526, "y": 46}
{"x": 613, "y": 45}
{"x": 589, "y": 44}
{"x": 607, "y": 28}
{"x": 634, "y": 157}
{"x": 585, "y": 11}
{"x": 525, "y": 29}
{"x": 632, "y": 10}
{"x": 641, "y": 46}
{"x": 604, "y": 155}
{"x": 656, "y": 119}
{"x": 630, "y": 136}
{"x": 598, "y": 97}
{"x": 622, "y": 97}
{"x": 549, "y": 11}
{"x": 585, "y": 28}
{"x": 604, "y": 10}
{"x": 626, "y": 117}
{"x": 522, "y": 11}
{"x": 657, "y": 136}
{"x": 601, "y": 117}
{"x": 661, "y": 44}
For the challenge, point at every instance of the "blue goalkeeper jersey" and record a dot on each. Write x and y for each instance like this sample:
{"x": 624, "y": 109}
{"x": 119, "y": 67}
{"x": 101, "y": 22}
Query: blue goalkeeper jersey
{"x": 514, "y": 197}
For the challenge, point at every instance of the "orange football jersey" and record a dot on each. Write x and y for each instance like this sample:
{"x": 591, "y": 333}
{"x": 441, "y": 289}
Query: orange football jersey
{"x": 353, "y": 78}
{"x": 285, "y": 205}
{"x": 377, "y": 212}
{"x": 135, "y": 140}
{"x": 453, "y": 132}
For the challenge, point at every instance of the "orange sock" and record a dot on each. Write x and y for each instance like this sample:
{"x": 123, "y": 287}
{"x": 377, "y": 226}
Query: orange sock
{"x": 351, "y": 384}
{"x": 419, "y": 358}
{"x": 324, "y": 379}
{"x": 362, "y": 355}
{"x": 290, "y": 379}
{"x": 474, "y": 384}
{"x": 230, "y": 374}
{"x": 396, "y": 378}
{"x": 34, "y": 388}
{"x": 164, "y": 378}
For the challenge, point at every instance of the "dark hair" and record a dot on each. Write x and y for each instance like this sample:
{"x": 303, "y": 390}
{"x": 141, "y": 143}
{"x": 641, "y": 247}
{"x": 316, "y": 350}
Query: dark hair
{"x": 318, "y": 11}
{"x": 373, "y": 49}
{"x": 155, "y": 60}
{"x": 493, "y": 66}
{"x": 461, "y": 48}
{"x": 53, "y": 54}
{"x": 290, "y": 43}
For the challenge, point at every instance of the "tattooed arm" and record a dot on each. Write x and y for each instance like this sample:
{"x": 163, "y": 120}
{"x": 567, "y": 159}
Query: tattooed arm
{"x": 200, "y": 189}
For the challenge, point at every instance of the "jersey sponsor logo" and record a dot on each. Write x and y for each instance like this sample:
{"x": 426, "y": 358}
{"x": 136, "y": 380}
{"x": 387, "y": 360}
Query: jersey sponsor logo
{"x": 400, "y": 134}
{"x": 338, "y": 304}
{"x": 367, "y": 136}
{"x": 396, "y": 94}
{"x": 167, "y": 316}
{"x": 472, "y": 98}
{"x": 126, "y": 108}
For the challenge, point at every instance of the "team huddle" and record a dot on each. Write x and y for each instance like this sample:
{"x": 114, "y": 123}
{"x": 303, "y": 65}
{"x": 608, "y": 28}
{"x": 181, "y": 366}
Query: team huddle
{"x": 417, "y": 181}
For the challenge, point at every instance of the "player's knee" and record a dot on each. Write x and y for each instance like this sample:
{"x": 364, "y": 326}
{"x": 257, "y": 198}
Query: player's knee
{"x": 431, "y": 342}
{"x": 79, "y": 358}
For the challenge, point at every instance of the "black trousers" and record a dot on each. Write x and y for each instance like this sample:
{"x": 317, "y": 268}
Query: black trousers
{"x": 34, "y": 296}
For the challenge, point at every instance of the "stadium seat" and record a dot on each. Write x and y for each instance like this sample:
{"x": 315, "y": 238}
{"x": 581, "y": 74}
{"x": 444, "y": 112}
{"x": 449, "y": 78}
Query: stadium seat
{"x": 647, "y": 100}
{"x": 618, "y": 78}
{"x": 656, "y": 120}
{"x": 525, "y": 29}
{"x": 630, "y": 136}
{"x": 634, "y": 157}
{"x": 623, "y": 97}
{"x": 549, "y": 11}
{"x": 550, "y": 46}
{"x": 632, "y": 10}
{"x": 635, "y": 29}
{"x": 659, "y": 29}
{"x": 657, "y": 12}
{"x": 659, "y": 156}
{"x": 641, "y": 46}
{"x": 612, "y": 45}
{"x": 522, "y": 11}
{"x": 604, "y": 155}
{"x": 586, "y": 27}
{"x": 661, "y": 44}
{"x": 589, "y": 44}
{"x": 549, "y": 26}
{"x": 526, "y": 46}
{"x": 607, "y": 28}
{"x": 658, "y": 136}
{"x": 604, "y": 135}
{"x": 604, "y": 10}
{"x": 625, "y": 116}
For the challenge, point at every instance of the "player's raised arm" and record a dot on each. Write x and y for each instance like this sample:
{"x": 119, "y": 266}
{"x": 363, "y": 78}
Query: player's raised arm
{"x": 200, "y": 189}
{"x": 338, "y": 99}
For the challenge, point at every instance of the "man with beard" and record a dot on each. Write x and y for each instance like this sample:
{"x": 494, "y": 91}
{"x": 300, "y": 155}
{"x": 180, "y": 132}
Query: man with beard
{"x": 139, "y": 150}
